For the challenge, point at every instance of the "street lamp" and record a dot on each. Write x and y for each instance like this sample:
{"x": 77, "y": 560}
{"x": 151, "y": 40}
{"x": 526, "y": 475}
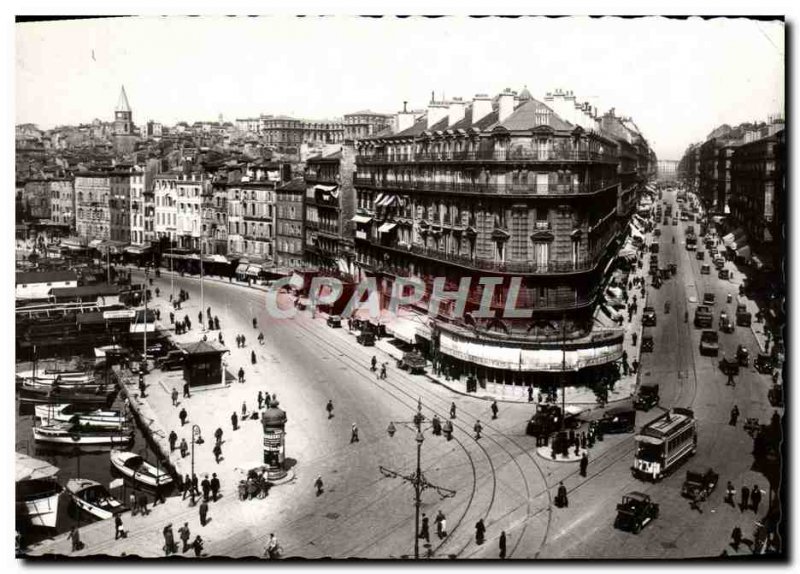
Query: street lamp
{"x": 417, "y": 479}
{"x": 196, "y": 438}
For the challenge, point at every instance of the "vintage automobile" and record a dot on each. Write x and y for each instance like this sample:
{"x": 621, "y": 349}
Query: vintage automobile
{"x": 635, "y": 510}
{"x": 743, "y": 356}
{"x": 657, "y": 233}
{"x": 705, "y": 269}
{"x": 649, "y": 317}
{"x": 654, "y": 259}
{"x": 673, "y": 268}
{"x": 647, "y": 397}
{"x": 709, "y": 298}
{"x": 618, "y": 420}
{"x": 729, "y": 366}
{"x": 699, "y": 485}
{"x": 743, "y": 317}
{"x": 764, "y": 363}
{"x": 775, "y": 395}
{"x": 703, "y": 317}
{"x": 719, "y": 262}
{"x": 724, "y": 274}
{"x": 709, "y": 344}
{"x": 700, "y": 256}
{"x": 172, "y": 361}
{"x": 647, "y": 340}
{"x": 366, "y": 338}
{"x": 334, "y": 321}
{"x": 725, "y": 323}
{"x": 548, "y": 419}
{"x": 413, "y": 362}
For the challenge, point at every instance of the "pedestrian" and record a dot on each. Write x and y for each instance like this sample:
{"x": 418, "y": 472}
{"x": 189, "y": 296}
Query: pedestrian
{"x": 731, "y": 382}
{"x": 133, "y": 503}
{"x": 745, "y": 499}
{"x": 448, "y": 429}
{"x": 197, "y": 545}
{"x": 174, "y": 397}
{"x": 503, "y": 545}
{"x": 452, "y": 410}
{"x": 260, "y": 400}
{"x": 187, "y": 486}
{"x": 437, "y": 425}
{"x": 195, "y": 492}
{"x": 318, "y": 485}
{"x": 383, "y": 370}
{"x": 220, "y": 339}
{"x": 186, "y": 393}
{"x": 173, "y": 438}
{"x": 143, "y": 504}
{"x": 441, "y": 532}
{"x": 734, "y": 415}
{"x": 272, "y": 545}
{"x": 235, "y": 421}
{"x": 561, "y": 497}
{"x": 238, "y": 341}
{"x": 584, "y": 464}
{"x": 200, "y": 318}
{"x": 329, "y": 408}
{"x": 480, "y": 531}
{"x": 255, "y": 323}
{"x": 74, "y": 535}
{"x": 158, "y": 292}
{"x": 374, "y": 363}
{"x": 354, "y": 434}
{"x": 169, "y": 540}
{"x": 215, "y": 486}
{"x": 477, "y": 428}
{"x": 203, "y": 513}
{"x": 583, "y": 440}
{"x": 171, "y": 317}
{"x": 119, "y": 530}
{"x": 530, "y": 393}
{"x": 142, "y": 386}
{"x": 241, "y": 374}
{"x": 244, "y": 410}
{"x": 184, "y": 448}
{"x": 775, "y": 374}
{"x": 205, "y": 486}
{"x": 217, "y": 452}
{"x": 218, "y": 435}
{"x": 182, "y": 415}
{"x": 730, "y": 493}
{"x": 184, "y": 534}
{"x": 755, "y": 498}
{"x": 494, "y": 409}
{"x": 424, "y": 529}
{"x": 260, "y": 338}
{"x": 736, "y": 538}
{"x": 216, "y": 323}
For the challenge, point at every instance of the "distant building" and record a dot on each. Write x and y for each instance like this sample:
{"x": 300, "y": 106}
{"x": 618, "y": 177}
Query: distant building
{"x": 289, "y": 223}
{"x": 667, "y": 170}
{"x": 124, "y": 136}
{"x": 283, "y": 132}
{"x": 365, "y": 123}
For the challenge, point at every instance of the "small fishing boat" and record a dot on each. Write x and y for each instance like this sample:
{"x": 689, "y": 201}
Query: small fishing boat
{"x": 47, "y": 384}
{"x": 67, "y": 433}
{"x": 37, "y": 491}
{"x": 64, "y": 377}
{"x": 139, "y": 470}
{"x": 58, "y": 394}
{"x": 68, "y": 413}
{"x": 94, "y": 498}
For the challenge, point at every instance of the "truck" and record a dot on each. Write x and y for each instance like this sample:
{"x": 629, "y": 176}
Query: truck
{"x": 635, "y": 511}
{"x": 698, "y": 485}
{"x": 548, "y": 419}
{"x": 413, "y": 362}
{"x": 703, "y": 317}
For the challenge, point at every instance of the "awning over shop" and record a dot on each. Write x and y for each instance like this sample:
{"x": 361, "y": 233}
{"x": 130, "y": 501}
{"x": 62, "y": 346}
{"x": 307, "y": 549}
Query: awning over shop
{"x": 387, "y": 201}
{"x": 636, "y": 232}
{"x": 142, "y": 327}
{"x": 241, "y": 269}
{"x": 386, "y": 227}
{"x": 406, "y": 329}
{"x": 379, "y": 198}
{"x": 95, "y": 242}
{"x": 253, "y": 270}
{"x": 361, "y": 219}
{"x": 327, "y": 188}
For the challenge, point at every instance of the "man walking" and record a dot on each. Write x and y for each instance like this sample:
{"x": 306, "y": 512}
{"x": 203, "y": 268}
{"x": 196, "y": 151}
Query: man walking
{"x": 187, "y": 486}
{"x": 374, "y": 363}
{"x": 75, "y": 536}
{"x": 169, "y": 540}
{"x": 452, "y": 410}
{"x": 143, "y": 504}
{"x": 186, "y": 394}
{"x": 477, "y": 428}
{"x": 234, "y": 421}
{"x": 218, "y": 435}
{"x": 174, "y": 397}
{"x": 755, "y": 498}
{"x": 480, "y": 532}
{"x": 494, "y": 409}
{"x": 745, "y": 498}
{"x": 215, "y": 486}
{"x": 173, "y": 438}
{"x": 734, "y": 415}
{"x": 182, "y": 415}
{"x": 260, "y": 400}
{"x": 730, "y": 492}
{"x": 736, "y": 537}
{"x": 584, "y": 464}
{"x": 184, "y": 448}
{"x": 318, "y": 485}
{"x": 253, "y": 357}
{"x": 503, "y": 545}
{"x": 119, "y": 530}
{"x": 561, "y": 496}
{"x": 184, "y": 534}
{"x": 203, "y": 513}
{"x": 329, "y": 408}
{"x": 217, "y": 452}
{"x": 241, "y": 374}
{"x": 424, "y": 531}
{"x": 354, "y": 434}
{"x": 206, "y": 487}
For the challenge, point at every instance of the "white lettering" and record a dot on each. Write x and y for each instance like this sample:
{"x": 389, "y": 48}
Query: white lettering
{"x": 485, "y": 310}
{"x": 398, "y": 289}
{"x": 510, "y": 311}
{"x": 439, "y": 295}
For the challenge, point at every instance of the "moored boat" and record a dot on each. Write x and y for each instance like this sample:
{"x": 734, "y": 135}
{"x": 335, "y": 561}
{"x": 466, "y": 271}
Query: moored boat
{"x": 139, "y": 470}
{"x": 37, "y": 491}
{"x": 64, "y": 377}
{"x": 94, "y": 498}
{"x": 66, "y": 433}
{"x": 50, "y": 395}
{"x": 68, "y": 413}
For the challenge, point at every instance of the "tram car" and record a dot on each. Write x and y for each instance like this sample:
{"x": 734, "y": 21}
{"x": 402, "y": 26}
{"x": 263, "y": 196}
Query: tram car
{"x": 664, "y": 443}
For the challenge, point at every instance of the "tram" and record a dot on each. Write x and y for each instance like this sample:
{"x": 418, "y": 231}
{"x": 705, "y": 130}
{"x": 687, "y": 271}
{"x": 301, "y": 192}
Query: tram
{"x": 664, "y": 443}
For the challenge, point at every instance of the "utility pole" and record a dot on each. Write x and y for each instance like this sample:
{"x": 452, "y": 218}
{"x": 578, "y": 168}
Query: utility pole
{"x": 417, "y": 479}
{"x": 108, "y": 264}
{"x": 144, "y": 349}
{"x": 202, "y": 292}
{"x": 563, "y": 371}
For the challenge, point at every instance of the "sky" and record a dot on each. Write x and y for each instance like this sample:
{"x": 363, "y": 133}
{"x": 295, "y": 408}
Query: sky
{"x": 677, "y": 79}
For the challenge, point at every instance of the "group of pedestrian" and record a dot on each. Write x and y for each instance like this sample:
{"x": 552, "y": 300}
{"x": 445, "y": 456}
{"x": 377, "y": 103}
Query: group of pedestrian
{"x": 241, "y": 341}
{"x": 182, "y": 327}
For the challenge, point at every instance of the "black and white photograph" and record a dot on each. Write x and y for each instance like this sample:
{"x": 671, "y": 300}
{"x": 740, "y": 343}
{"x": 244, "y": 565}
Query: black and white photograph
{"x": 399, "y": 288}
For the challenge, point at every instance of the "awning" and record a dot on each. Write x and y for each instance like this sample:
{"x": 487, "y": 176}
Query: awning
{"x": 404, "y": 329}
{"x": 361, "y": 219}
{"x": 142, "y": 327}
{"x": 241, "y": 269}
{"x": 326, "y": 188}
{"x": 137, "y": 249}
{"x": 386, "y": 227}
{"x": 738, "y": 243}
{"x": 95, "y": 242}
{"x": 636, "y": 232}
{"x": 253, "y": 270}
{"x": 379, "y": 198}
{"x": 743, "y": 251}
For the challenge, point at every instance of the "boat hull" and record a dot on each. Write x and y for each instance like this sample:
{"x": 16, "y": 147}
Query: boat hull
{"x": 49, "y": 396}
{"x": 98, "y": 419}
{"x": 83, "y": 438}
{"x": 146, "y": 477}
{"x": 39, "y": 499}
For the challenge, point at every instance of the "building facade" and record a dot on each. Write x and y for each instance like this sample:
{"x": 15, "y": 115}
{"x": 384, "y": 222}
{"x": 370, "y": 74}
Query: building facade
{"x": 38, "y": 198}
{"x": 284, "y": 132}
{"x": 166, "y": 212}
{"x": 289, "y": 223}
{"x": 92, "y": 195}
{"x": 119, "y": 206}
{"x": 62, "y": 201}
{"x": 190, "y": 191}
{"x": 365, "y": 123}
{"x": 502, "y": 190}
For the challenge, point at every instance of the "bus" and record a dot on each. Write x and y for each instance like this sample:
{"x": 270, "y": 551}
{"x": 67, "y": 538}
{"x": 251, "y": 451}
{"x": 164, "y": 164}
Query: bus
{"x": 664, "y": 443}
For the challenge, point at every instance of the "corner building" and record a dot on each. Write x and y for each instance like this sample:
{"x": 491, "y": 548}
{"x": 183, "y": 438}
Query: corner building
{"x": 501, "y": 188}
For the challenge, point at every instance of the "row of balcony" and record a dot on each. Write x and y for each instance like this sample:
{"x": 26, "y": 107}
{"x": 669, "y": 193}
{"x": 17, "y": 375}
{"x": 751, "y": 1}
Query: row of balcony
{"x": 510, "y": 189}
{"x": 477, "y": 263}
{"x": 489, "y": 155}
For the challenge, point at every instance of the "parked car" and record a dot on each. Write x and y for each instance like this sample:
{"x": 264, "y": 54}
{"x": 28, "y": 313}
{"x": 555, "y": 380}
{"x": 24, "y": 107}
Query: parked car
{"x": 703, "y": 317}
{"x": 709, "y": 298}
{"x": 775, "y": 395}
{"x": 709, "y": 343}
{"x": 618, "y": 420}
{"x": 548, "y": 419}
{"x": 743, "y": 356}
{"x": 657, "y": 233}
{"x": 725, "y": 323}
{"x": 366, "y": 338}
{"x": 705, "y": 269}
{"x": 700, "y": 256}
{"x": 724, "y": 274}
{"x": 635, "y": 511}
{"x": 647, "y": 340}
{"x": 699, "y": 485}
{"x": 172, "y": 361}
{"x": 647, "y": 397}
{"x": 719, "y": 262}
{"x": 764, "y": 363}
{"x": 649, "y": 317}
{"x": 413, "y": 362}
{"x": 743, "y": 317}
{"x": 334, "y": 321}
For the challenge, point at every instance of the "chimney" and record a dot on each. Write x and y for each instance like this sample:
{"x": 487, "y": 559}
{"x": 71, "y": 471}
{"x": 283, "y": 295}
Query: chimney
{"x": 506, "y": 101}
{"x": 436, "y": 112}
{"x": 456, "y": 111}
{"x": 403, "y": 120}
{"x": 481, "y": 107}
{"x": 569, "y": 107}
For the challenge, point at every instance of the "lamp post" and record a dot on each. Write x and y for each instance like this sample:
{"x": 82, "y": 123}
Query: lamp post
{"x": 195, "y": 438}
{"x": 417, "y": 478}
